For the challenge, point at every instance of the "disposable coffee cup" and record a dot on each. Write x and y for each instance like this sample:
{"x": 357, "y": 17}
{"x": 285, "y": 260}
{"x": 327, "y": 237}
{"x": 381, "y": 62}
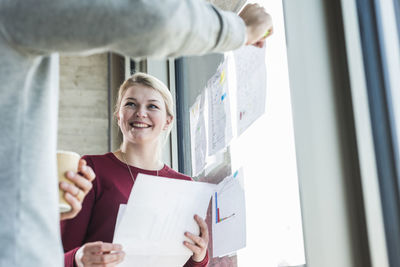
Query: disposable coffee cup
{"x": 66, "y": 161}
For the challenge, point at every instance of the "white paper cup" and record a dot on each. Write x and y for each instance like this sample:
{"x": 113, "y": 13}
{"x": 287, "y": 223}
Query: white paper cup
{"x": 66, "y": 161}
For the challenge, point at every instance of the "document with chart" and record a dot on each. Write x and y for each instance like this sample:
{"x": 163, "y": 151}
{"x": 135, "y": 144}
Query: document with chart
{"x": 152, "y": 225}
{"x": 198, "y": 134}
{"x": 251, "y": 86}
{"x": 229, "y": 216}
{"x": 219, "y": 110}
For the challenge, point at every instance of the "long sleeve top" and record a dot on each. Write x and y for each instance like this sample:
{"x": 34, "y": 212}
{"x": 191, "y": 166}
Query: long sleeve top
{"x": 130, "y": 27}
{"x": 32, "y": 33}
{"x": 111, "y": 188}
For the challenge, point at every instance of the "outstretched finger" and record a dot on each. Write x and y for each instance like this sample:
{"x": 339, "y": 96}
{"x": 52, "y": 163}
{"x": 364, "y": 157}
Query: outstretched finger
{"x": 203, "y": 227}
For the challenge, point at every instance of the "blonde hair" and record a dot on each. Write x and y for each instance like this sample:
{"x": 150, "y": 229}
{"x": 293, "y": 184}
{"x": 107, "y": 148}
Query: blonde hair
{"x": 152, "y": 82}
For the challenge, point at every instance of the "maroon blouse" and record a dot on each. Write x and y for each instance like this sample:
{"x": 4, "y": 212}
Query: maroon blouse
{"x": 112, "y": 187}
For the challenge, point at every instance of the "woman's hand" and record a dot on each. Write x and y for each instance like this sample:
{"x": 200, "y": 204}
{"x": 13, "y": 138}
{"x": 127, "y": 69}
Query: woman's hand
{"x": 258, "y": 24}
{"x": 101, "y": 254}
{"x": 200, "y": 243}
{"x": 76, "y": 192}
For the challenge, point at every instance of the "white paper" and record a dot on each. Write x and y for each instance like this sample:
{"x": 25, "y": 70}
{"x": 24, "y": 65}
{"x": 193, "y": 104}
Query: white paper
{"x": 229, "y": 229}
{"x": 219, "y": 113}
{"x": 198, "y": 135}
{"x": 250, "y": 84}
{"x": 159, "y": 211}
{"x": 121, "y": 212}
{"x": 154, "y": 261}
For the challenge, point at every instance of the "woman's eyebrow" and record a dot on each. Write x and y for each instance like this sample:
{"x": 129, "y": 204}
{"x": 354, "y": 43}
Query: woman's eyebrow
{"x": 134, "y": 99}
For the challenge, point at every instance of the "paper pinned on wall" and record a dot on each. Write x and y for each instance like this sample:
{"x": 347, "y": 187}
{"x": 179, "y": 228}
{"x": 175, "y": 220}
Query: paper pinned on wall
{"x": 198, "y": 134}
{"x": 229, "y": 216}
{"x": 219, "y": 110}
{"x": 159, "y": 211}
{"x": 251, "y": 85}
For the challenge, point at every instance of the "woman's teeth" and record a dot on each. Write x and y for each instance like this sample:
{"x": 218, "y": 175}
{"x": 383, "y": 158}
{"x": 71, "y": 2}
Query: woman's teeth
{"x": 139, "y": 125}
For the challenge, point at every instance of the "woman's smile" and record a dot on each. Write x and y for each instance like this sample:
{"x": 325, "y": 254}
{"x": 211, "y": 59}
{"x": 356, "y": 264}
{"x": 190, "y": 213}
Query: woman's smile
{"x": 139, "y": 125}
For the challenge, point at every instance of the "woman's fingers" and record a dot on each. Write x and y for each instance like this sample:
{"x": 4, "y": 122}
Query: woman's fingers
{"x": 102, "y": 254}
{"x": 121, "y": 258}
{"x": 203, "y": 227}
{"x": 196, "y": 240}
{"x": 70, "y": 194}
{"x": 200, "y": 243}
{"x": 69, "y": 188}
{"x": 195, "y": 249}
{"x": 76, "y": 206}
{"x": 101, "y": 247}
{"x": 83, "y": 179}
{"x": 79, "y": 187}
{"x": 113, "y": 257}
{"x": 75, "y": 192}
{"x": 87, "y": 171}
{"x": 82, "y": 184}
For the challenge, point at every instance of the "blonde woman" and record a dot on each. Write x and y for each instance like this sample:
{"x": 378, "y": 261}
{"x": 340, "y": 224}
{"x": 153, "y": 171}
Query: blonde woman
{"x": 144, "y": 111}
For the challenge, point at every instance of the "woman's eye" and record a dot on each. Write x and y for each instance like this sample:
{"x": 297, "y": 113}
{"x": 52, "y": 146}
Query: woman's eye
{"x": 153, "y": 106}
{"x": 130, "y": 104}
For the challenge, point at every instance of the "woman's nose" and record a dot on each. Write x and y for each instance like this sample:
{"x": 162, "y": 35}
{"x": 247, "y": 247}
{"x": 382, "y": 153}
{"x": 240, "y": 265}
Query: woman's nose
{"x": 141, "y": 113}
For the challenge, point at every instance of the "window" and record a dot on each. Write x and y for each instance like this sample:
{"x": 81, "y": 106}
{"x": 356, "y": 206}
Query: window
{"x": 267, "y": 152}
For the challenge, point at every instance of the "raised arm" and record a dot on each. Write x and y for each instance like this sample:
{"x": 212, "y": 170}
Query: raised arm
{"x": 134, "y": 28}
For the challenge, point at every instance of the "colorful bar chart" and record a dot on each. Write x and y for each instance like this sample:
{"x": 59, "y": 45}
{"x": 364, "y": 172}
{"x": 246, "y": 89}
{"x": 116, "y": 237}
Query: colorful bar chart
{"x": 228, "y": 215}
{"x": 218, "y": 218}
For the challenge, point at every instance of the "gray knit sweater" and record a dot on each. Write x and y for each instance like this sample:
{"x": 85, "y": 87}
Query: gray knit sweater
{"x": 31, "y": 35}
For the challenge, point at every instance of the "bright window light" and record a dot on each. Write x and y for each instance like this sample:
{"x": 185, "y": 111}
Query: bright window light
{"x": 267, "y": 153}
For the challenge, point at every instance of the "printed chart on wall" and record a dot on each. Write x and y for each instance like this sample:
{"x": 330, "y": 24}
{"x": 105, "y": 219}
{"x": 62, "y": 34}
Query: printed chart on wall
{"x": 242, "y": 75}
{"x": 251, "y": 85}
{"x": 198, "y": 134}
{"x": 219, "y": 112}
{"x": 229, "y": 216}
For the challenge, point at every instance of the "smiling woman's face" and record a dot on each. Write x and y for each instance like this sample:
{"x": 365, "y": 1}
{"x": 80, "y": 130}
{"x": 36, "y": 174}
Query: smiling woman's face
{"x": 142, "y": 116}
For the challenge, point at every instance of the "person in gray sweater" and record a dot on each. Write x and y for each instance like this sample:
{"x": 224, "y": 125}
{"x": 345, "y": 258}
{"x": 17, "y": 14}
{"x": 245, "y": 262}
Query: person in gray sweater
{"x": 32, "y": 34}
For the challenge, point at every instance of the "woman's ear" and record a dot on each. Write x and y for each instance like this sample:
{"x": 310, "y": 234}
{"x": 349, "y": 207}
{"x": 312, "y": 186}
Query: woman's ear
{"x": 118, "y": 119}
{"x": 168, "y": 122}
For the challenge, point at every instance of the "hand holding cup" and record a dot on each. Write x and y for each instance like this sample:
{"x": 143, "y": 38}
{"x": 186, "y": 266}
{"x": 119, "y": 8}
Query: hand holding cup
{"x": 75, "y": 181}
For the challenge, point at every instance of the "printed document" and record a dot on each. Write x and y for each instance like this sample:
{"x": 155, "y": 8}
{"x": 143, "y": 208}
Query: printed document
{"x": 198, "y": 135}
{"x": 158, "y": 213}
{"x": 229, "y": 216}
{"x": 219, "y": 110}
{"x": 251, "y": 85}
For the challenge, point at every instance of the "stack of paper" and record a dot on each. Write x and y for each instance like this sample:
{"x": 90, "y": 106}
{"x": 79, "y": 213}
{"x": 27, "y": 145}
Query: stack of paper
{"x": 159, "y": 211}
